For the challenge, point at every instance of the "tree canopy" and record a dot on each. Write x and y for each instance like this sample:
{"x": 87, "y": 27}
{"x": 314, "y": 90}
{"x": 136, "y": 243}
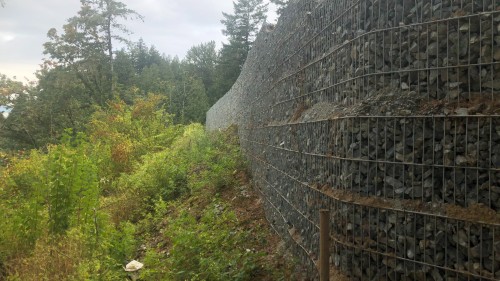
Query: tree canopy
{"x": 280, "y": 4}
{"x": 84, "y": 71}
{"x": 86, "y": 45}
{"x": 241, "y": 28}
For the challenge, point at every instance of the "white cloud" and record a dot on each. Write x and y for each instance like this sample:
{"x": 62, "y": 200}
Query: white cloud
{"x": 172, "y": 26}
{"x": 22, "y": 70}
{"x": 7, "y": 37}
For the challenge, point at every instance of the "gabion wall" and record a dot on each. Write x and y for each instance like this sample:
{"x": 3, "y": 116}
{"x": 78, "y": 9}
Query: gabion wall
{"x": 387, "y": 113}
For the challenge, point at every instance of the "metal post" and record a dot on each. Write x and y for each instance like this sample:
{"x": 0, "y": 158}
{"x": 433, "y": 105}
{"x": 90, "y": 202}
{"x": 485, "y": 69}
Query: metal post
{"x": 324, "y": 245}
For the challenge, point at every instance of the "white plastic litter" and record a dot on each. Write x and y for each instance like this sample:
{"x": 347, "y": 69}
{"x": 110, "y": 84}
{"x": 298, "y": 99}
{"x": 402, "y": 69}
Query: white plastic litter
{"x": 133, "y": 266}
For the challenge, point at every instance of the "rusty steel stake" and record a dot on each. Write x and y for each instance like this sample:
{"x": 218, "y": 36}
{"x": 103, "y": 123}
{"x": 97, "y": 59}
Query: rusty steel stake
{"x": 324, "y": 245}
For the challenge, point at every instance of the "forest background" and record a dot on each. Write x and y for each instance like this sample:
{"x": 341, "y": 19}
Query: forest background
{"x": 104, "y": 158}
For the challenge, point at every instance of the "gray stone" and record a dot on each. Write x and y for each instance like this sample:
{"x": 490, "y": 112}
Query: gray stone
{"x": 393, "y": 182}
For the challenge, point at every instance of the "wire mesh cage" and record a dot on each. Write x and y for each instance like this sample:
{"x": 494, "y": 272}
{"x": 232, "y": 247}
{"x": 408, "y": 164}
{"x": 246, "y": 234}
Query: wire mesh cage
{"x": 387, "y": 113}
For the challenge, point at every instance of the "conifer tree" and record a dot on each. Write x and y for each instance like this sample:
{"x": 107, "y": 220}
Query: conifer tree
{"x": 241, "y": 28}
{"x": 86, "y": 45}
{"x": 280, "y": 5}
{"x": 201, "y": 61}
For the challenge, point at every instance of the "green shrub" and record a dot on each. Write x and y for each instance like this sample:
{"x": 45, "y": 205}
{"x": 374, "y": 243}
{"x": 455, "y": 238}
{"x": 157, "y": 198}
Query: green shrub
{"x": 73, "y": 190}
{"x": 123, "y": 243}
{"x": 154, "y": 268}
{"x": 22, "y": 198}
{"x": 166, "y": 173}
{"x": 123, "y": 134}
{"x": 69, "y": 213}
{"x": 210, "y": 247}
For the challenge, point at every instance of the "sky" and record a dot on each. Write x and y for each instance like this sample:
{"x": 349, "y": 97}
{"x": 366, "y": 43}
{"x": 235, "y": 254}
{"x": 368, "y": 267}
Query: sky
{"x": 172, "y": 26}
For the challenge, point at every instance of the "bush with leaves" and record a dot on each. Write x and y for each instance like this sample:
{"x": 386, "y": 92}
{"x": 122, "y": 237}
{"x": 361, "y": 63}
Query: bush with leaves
{"x": 77, "y": 210}
{"x": 53, "y": 226}
{"x": 164, "y": 173}
{"x": 206, "y": 247}
{"x": 195, "y": 160}
{"x": 219, "y": 161}
{"x": 124, "y": 133}
{"x": 22, "y": 198}
{"x": 73, "y": 190}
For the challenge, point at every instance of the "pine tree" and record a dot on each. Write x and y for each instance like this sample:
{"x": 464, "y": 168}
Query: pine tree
{"x": 280, "y": 5}
{"x": 86, "y": 46}
{"x": 201, "y": 61}
{"x": 241, "y": 28}
{"x": 243, "y": 25}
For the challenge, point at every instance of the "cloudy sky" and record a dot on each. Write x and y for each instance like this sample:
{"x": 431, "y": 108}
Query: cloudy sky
{"x": 173, "y": 26}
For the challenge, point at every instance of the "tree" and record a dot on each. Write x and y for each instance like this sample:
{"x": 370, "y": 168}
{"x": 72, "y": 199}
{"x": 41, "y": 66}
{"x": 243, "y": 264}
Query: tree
{"x": 139, "y": 53}
{"x": 110, "y": 11}
{"x": 85, "y": 56}
{"x": 241, "y": 29}
{"x": 242, "y": 26}
{"x": 280, "y": 5}
{"x": 86, "y": 46}
{"x": 228, "y": 69}
{"x": 15, "y": 132}
{"x": 124, "y": 68}
{"x": 201, "y": 61}
{"x": 189, "y": 100}
{"x": 41, "y": 113}
{"x": 9, "y": 90}
{"x": 79, "y": 74}
{"x": 155, "y": 79}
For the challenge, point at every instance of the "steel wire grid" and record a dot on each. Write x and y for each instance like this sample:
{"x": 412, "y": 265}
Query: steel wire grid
{"x": 440, "y": 159}
{"x": 376, "y": 242}
{"x": 357, "y": 69}
{"x": 411, "y": 89}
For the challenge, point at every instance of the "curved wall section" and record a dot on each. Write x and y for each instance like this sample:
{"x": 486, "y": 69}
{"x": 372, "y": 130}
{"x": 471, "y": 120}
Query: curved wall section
{"x": 387, "y": 113}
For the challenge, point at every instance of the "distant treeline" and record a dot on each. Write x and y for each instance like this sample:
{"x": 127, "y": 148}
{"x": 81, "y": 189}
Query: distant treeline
{"x": 83, "y": 72}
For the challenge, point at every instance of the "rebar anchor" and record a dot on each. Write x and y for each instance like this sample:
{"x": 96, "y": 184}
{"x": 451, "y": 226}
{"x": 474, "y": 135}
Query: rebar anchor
{"x": 324, "y": 245}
